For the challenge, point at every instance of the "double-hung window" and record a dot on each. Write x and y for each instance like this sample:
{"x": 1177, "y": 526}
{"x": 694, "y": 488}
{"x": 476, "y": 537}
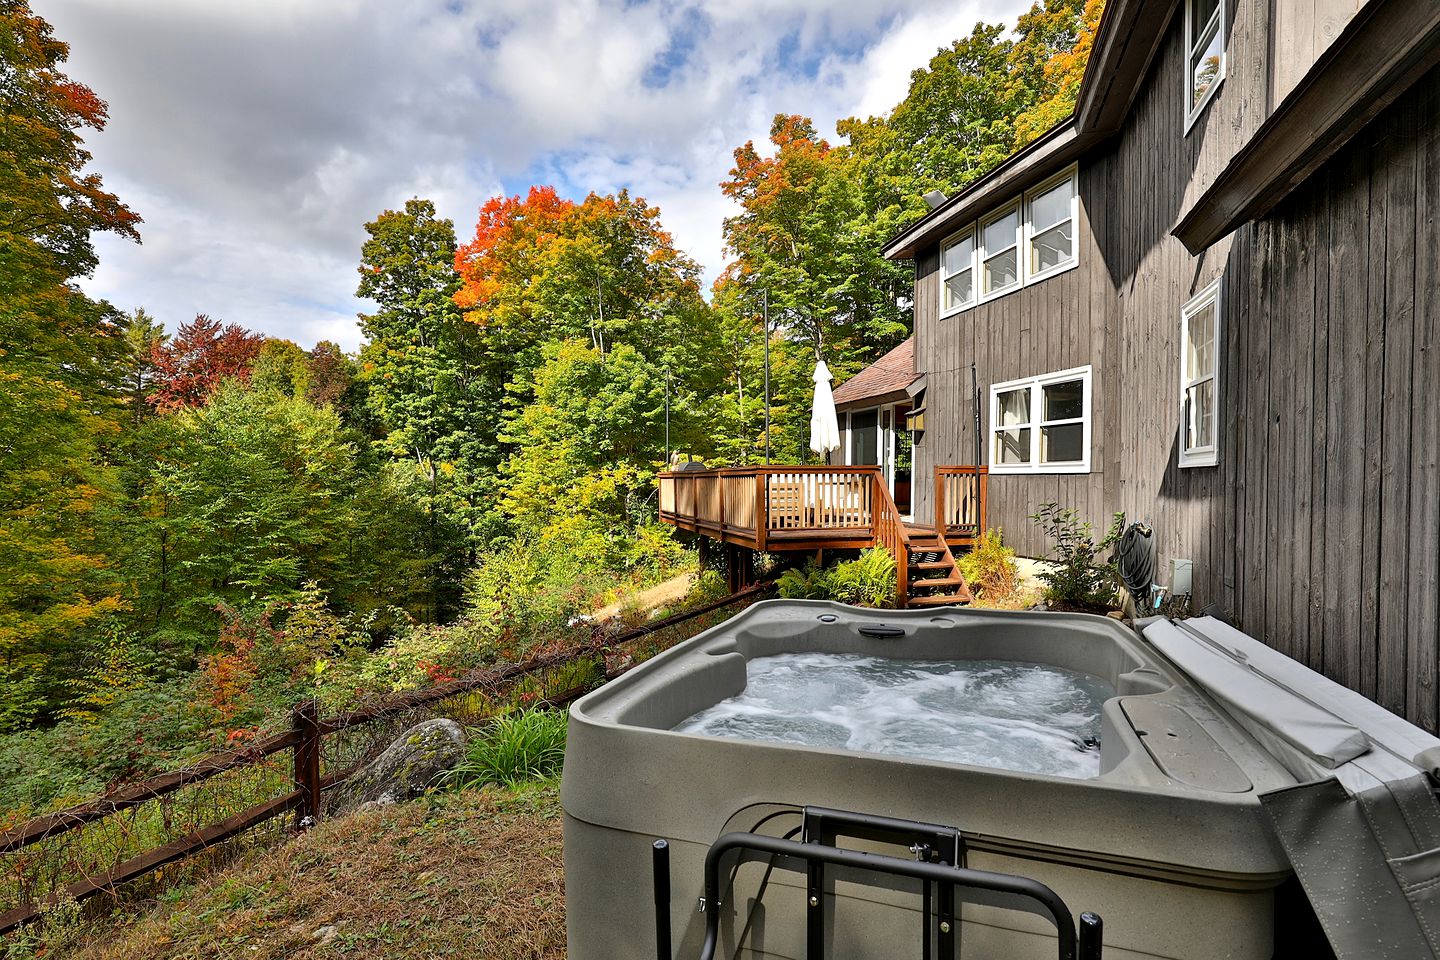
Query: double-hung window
{"x": 1025, "y": 241}
{"x": 957, "y": 273}
{"x": 1000, "y": 253}
{"x": 1200, "y": 379}
{"x": 1205, "y": 46}
{"x": 1050, "y": 228}
{"x": 1041, "y": 424}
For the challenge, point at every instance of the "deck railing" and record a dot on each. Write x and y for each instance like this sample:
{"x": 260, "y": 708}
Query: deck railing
{"x": 764, "y": 506}
{"x": 890, "y": 533}
{"x": 960, "y": 492}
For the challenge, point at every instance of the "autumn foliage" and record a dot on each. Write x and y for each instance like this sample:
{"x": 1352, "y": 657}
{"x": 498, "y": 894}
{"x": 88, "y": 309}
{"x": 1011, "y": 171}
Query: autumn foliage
{"x": 546, "y": 267}
{"x": 203, "y": 354}
{"x": 58, "y": 357}
{"x": 511, "y": 234}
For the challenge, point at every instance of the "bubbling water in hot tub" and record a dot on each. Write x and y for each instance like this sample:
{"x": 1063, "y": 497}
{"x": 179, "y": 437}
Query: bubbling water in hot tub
{"x": 1026, "y": 717}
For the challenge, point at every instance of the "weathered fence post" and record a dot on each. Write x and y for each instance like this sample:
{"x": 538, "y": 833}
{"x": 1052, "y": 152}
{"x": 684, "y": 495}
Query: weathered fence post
{"x": 306, "y": 720}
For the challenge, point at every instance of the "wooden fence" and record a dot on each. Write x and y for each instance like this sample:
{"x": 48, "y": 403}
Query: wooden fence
{"x": 37, "y": 883}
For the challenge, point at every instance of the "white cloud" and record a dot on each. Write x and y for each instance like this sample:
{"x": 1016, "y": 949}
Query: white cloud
{"x": 257, "y": 138}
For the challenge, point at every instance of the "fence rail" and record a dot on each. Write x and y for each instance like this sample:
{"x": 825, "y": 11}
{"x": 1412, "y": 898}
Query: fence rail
{"x": 41, "y": 885}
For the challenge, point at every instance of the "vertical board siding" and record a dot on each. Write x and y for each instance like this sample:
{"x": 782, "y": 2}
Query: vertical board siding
{"x": 1396, "y": 325}
{"x": 1319, "y": 530}
{"x": 1337, "y": 511}
{"x": 1423, "y": 556}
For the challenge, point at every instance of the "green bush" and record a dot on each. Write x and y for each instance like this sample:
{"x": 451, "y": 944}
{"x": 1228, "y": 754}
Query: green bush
{"x": 1076, "y": 578}
{"x": 808, "y": 582}
{"x": 990, "y": 567}
{"x": 518, "y": 747}
{"x": 868, "y": 581}
{"x": 707, "y": 588}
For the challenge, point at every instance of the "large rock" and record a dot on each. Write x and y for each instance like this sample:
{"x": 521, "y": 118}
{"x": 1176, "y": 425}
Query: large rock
{"x": 414, "y": 762}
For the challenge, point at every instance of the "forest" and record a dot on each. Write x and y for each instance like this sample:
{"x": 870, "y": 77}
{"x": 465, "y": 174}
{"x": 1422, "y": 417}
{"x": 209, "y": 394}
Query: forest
{"x": 201, "y": 525}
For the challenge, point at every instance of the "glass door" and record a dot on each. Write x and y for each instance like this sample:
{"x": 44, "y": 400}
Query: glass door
{"x": 865, "y": 437}
{"x": 899, "y": 459}
{"x": 878, "y": 437}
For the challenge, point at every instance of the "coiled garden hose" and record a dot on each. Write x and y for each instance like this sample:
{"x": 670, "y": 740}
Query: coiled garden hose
{"x": 1135, "y": 559}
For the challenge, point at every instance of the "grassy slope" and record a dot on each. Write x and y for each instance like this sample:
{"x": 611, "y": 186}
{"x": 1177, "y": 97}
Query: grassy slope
{"x": 472, "y": 874}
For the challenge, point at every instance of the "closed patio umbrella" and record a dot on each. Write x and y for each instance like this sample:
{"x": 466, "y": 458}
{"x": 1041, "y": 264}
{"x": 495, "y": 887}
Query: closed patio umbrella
{"x": 824, "y": 427}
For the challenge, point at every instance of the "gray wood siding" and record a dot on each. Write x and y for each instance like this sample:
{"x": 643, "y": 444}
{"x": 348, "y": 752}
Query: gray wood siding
{"x": 1042, "y": 328}
{"x": 1319, "y": 530}
{"x": 1337, "y": 525}
{"x": 1303, "y": 29}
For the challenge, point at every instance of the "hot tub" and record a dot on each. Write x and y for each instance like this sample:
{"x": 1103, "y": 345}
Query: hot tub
{"x": 1158, "y": 828}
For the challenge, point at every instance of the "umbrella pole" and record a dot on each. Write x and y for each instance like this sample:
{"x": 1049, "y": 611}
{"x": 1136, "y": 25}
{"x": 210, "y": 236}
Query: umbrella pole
{"x": 765, "y": 312}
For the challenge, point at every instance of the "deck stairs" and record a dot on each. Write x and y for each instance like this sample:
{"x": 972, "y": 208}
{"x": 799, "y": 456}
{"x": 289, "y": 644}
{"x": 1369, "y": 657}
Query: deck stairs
{"x": 933, "y": 577}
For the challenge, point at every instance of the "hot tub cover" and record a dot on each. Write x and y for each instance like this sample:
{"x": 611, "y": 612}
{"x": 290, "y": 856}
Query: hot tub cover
{"x": 1362, "y": 829}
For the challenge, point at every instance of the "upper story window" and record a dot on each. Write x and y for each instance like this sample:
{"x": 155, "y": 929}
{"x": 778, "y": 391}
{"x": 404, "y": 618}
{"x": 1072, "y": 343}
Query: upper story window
{"x": 1205, "y": 48}
{"x": 1200, "y": 378}
{"x": 1025, "y": 241}
{"x": 957, "y": 272}
{"x": 1041, "y": 424}
{"x": 1000, "y": 253}
{"x": 1050, "y": 228}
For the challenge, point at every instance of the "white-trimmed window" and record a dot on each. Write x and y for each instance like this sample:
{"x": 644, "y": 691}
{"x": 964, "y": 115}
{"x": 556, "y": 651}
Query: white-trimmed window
{"x": 1041, "y": 424}
{"x": 999, "y": 254}
{"x": 1027, "y": 240}
{"x": 1205, "y": 54}
{"x": 1050, "y": 215}
{"x": 1200, "y": 379}
{"x": 957, "y": 272}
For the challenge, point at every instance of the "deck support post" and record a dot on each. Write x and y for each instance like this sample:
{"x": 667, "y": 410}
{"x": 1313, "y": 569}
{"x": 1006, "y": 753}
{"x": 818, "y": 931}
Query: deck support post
{"x": 739, "y": 567}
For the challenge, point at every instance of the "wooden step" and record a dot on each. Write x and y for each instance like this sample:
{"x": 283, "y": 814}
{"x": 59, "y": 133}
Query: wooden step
{"x": 933, "y": 565}
{"x": 939, "y": 582}
{"x": 938, "y": 600}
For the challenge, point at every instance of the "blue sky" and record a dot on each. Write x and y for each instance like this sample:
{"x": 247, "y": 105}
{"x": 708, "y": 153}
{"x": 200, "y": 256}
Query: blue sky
{"x": 256, "y": 139}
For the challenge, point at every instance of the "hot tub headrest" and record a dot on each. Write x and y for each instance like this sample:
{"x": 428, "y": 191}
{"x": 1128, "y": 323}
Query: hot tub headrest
{"x": 1252, "y": 687}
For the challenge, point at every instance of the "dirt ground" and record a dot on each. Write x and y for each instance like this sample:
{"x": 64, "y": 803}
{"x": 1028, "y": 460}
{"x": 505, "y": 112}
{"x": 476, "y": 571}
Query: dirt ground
{"x": 660, "y": 595}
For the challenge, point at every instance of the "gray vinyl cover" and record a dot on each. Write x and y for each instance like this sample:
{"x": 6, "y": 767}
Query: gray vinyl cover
{"x": 1362, "y": 829}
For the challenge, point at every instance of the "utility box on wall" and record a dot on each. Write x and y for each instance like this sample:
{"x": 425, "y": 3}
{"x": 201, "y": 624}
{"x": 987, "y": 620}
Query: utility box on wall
{"x": 1181, "y": 577}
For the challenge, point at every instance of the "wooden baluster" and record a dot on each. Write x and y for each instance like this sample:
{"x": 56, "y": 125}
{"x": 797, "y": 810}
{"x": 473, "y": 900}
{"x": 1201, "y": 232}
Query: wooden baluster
{"x": 980, "y": 519}
{"x": 760, "y": 479}
{"x": 941, "y": 482}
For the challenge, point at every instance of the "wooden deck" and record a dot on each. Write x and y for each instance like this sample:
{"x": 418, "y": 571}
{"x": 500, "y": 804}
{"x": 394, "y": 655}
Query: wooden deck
{"x": 783, "y": 508}
{"x": 794, "y": 509}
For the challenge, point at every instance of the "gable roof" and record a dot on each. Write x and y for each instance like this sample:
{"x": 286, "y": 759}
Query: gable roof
{"x": 1129, "y": 35}
{"x": 1382, "y": 51}
{"x": 886, "y": 378}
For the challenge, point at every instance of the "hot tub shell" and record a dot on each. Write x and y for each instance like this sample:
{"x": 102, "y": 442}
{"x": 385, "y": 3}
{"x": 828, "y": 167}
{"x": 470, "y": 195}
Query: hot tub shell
{"x": 1169, "y": 844}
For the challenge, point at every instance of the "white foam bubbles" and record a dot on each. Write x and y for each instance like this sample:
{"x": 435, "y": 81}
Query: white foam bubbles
{"x": 1027, "y": 717}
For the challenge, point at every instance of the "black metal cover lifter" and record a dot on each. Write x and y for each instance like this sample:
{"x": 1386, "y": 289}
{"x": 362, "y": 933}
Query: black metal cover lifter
{"x": 975, "y": 886}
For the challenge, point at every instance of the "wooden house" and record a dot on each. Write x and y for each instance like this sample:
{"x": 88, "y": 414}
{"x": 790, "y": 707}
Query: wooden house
{"x": 1209, "y": 300}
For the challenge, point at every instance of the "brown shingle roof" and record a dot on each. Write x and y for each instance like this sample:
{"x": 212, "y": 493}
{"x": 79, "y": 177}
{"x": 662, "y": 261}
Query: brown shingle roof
{"x": 891, "y": 374}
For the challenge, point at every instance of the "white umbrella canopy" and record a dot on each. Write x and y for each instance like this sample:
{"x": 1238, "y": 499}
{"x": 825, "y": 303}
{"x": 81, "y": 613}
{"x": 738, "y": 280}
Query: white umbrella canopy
{"x": 824, "y": 425}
